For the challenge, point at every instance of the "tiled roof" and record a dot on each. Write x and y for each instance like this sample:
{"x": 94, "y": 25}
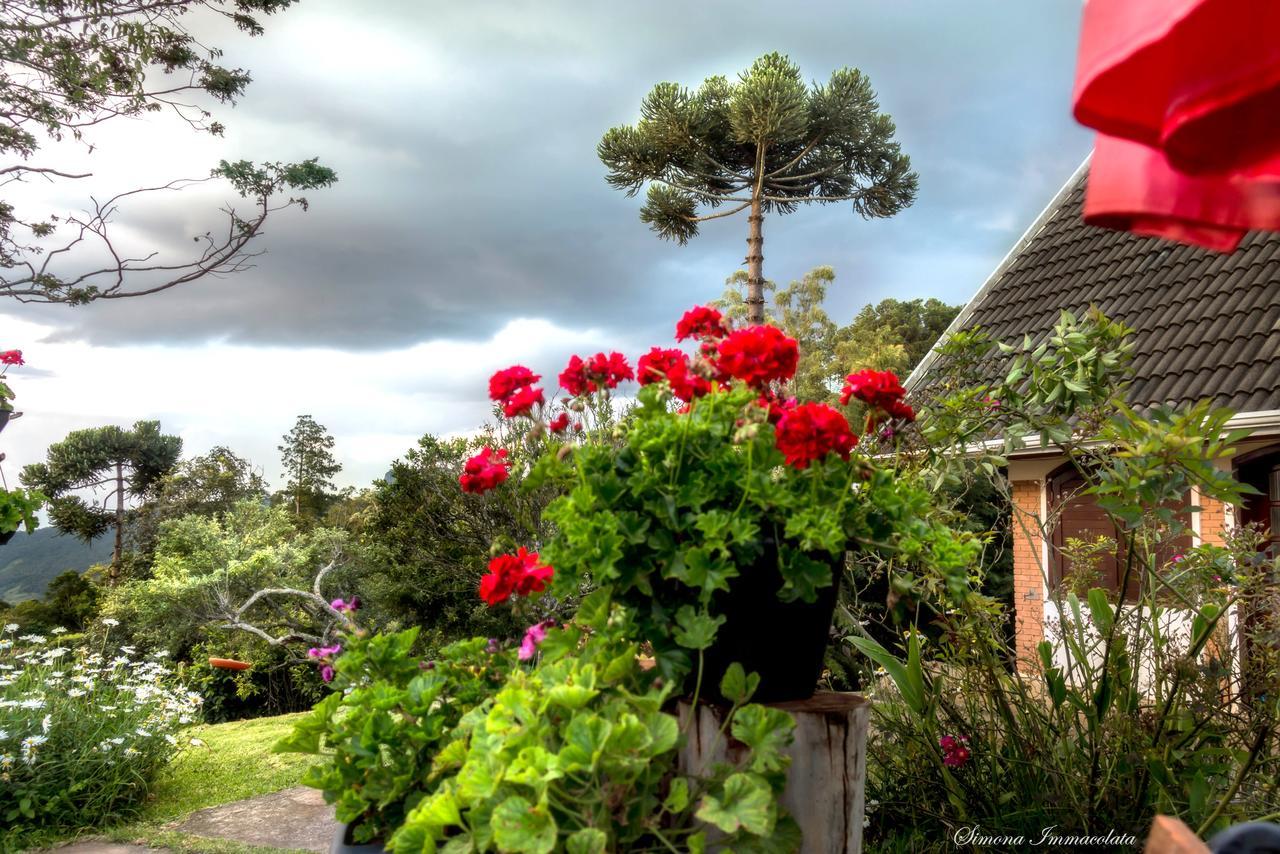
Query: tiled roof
{"x": 1206, "y": 325}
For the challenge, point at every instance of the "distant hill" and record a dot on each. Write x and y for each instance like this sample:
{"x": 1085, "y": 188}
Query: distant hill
{"x": 29, "y": 562}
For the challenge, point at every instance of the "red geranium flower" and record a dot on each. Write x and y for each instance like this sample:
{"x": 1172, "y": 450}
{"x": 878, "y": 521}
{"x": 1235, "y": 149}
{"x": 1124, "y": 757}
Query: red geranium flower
{"x": 674, "y": 367}
{"x": 560, "y": 423}
{"x": 518, "y": 574}
{"x": 810, "y": 431}
{"x": 777, "y": 407}
{"x": 701, "y": 322}
{"x": 11, "y": 357}
{"x": 507, "y": 382}
{"x": 759, "y": 355}
{"x": 485, "y": 471}
{"x": 874, "y": 388}
{"x": 898, "y": 409}
{"x": 600, "y": 371}
{"x": 657, "y": 364}
{"x": 521, "y": 401}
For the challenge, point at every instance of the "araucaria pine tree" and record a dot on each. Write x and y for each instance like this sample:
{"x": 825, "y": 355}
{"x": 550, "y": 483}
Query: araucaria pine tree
{"x": 767, "y": 143}
{"x": 115, "y": 467}
{"x": 309, "y": 465}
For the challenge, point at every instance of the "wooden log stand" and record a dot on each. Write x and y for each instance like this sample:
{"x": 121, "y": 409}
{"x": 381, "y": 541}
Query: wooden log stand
{"x": 825, "y": 783}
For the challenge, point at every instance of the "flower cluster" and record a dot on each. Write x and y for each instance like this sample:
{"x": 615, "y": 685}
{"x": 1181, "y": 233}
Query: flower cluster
{"x": 809, "y": 431}
{"x": 88, "y": 723}
{"x": 11, "y": 357}
{"x": 758, "y": 355}
{"x": 701, "y": 322}
{"x": 514, "y": 574}
{"x": 600, "y": 371}
{"x": 880, "y": 390}
{"x": 674, "y": 367}
{"x": 344, "y": 606}
{"x": 955, "y": 752}
{"x": 514, "y": 389}
{"x": 533, "y": 636}
{"x": 325, "y": 656}
{"x": 485, "y": 471}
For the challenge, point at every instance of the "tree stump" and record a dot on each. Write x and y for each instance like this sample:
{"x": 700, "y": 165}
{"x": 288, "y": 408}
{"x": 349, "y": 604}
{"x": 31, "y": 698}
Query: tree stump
{"x": 825, "y": 783}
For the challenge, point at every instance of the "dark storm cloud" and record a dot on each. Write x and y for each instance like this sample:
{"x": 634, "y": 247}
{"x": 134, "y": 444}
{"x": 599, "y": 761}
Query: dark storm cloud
{"x": 470, "y": 193}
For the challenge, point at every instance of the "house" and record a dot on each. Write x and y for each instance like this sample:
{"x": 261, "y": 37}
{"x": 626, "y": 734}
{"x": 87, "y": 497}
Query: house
{"x": 1206, "y": 326}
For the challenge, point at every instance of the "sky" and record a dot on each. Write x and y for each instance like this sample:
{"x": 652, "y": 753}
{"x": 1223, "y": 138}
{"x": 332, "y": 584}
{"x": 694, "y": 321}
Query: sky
{"x": 472, "y": 228}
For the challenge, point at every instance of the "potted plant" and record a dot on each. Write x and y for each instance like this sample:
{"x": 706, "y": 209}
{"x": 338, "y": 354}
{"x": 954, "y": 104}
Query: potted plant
{"x": 721, "y": 510}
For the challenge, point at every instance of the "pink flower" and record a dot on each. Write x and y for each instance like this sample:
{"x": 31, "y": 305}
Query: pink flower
{"x": 326, "y": 673}
{"x": 955, "y": 753}
{"x": 533, "y": 636}
{"x": 344, "y": 606}
{"x": 11, "y": 357}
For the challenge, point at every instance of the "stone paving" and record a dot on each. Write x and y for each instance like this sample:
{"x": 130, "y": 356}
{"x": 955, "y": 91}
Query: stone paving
{"x": 297, "y": 819}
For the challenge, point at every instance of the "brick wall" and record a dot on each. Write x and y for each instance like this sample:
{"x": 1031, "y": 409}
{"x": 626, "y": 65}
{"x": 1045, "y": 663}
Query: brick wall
{"x": 1028, "y": 577}
{"x": 1213, "y": 520}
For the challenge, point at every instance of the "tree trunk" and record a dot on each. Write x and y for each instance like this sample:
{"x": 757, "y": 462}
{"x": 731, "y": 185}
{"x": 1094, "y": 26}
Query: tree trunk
{"x": 755, "y": 262}
{"x": 118, "y": 551}
{"x": 825, "y": 782}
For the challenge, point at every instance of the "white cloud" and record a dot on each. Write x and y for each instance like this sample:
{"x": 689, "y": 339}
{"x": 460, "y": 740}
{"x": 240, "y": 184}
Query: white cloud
{"x": 376, "y": 404}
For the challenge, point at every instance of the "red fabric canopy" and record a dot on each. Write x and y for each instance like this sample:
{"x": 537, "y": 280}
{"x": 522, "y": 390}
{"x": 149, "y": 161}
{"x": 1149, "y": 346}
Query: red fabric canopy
{"x": 1186, "y": 94}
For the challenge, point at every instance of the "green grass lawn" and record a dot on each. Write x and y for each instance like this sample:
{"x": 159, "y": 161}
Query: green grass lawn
{"x": 235, "y": 762}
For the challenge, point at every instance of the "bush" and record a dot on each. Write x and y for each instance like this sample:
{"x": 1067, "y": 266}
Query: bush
{"x": 82, "y": 735}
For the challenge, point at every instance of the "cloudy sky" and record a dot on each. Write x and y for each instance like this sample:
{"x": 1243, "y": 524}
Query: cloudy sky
{"x": 472, "y": 227}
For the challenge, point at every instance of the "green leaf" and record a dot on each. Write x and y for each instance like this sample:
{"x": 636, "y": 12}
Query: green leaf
{"x": 678, "y": 796}
{"x": 413, "y": 839}
{"x": 736, "y": 686}
{"x": 521, "y": 827}
{"x": 588, "y": 840}
{"x": 745, "y": 802}
{"x": 766, "y": 731}
{"x": 585, "y": 739}
{"x": 571, "y": 696}
{"x": 897, "y": 671}
{"x": 1100, "y": 608}
{"x": 593, "y": 611}
{"x": 695, "y": 629}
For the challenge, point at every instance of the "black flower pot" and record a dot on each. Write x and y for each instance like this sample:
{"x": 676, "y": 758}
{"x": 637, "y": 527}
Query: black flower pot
{"x": 342, "y": 843}
{"x": 784, "y": 642}
{"x": 5, "y": 415}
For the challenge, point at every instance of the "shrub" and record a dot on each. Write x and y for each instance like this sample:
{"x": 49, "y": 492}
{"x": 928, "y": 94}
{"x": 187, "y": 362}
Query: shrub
{"x": 82, "y": 735}
{"x": 1132, "y": 705}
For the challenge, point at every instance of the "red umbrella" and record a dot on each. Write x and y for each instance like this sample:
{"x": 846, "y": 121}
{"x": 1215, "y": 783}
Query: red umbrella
{"x": 1198, "y": 79}
{"x": 1186, "y": 94}
{"x": 1132, "y": 187}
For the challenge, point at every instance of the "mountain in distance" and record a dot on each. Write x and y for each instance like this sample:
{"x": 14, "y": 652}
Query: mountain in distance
{"x": 28, "y": 562}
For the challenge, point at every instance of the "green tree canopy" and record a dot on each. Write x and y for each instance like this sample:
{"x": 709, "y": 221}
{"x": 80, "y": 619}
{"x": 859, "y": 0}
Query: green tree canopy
{"x": 205, "y": 485}
{"x": 116, "y": 466}
{"x": 72, "y": 65}
{"x": 891, "y": 335}
{"x": 309, "y": 466}
{"x": 768, "y": 142}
